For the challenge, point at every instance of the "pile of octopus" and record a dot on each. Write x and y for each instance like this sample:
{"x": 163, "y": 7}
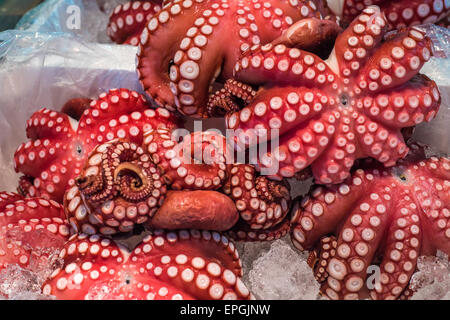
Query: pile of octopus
{"x": 331, "y": 87}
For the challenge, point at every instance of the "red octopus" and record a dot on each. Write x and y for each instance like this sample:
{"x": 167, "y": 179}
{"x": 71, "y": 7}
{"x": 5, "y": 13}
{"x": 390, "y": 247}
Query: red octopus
{"x": 128, "y": 20}
{"x": 59, "y": 145}
{"x": 124, "y": 184}
{"x": 385, "y": 217}
{"x": 174, "y": 185}
{"x": 31, "y": 230}
{"x": 190, "y": 44}
{"x": 399, "y": 14}
{"x": 175, "y": 265}
{"x": 329, "y": 113}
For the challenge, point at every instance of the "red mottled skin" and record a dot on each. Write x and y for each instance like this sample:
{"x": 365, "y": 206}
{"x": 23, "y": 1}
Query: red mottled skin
{"x": 59, "y": 145}
{"x": 176, "y": 265}
{"x": 199, "y": 209}
{"x": 390, "y": 215}
{"x": 399, "y": 14}
{"x": 129, "y": 19}
{"x": 31, "y": 230}
{"x": 189, "y": 45}
{"x": 329, "y": 113}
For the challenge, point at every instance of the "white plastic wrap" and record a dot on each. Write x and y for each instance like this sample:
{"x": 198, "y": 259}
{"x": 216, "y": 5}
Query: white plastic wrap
{"x": 45, "y": 67}
{"x": 45, "y": 70}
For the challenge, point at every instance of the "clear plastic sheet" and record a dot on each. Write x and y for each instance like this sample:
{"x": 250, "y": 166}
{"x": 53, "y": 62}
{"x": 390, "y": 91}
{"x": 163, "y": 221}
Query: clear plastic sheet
{"x": 87, "y": 19}
{"x": 48, "y": 64}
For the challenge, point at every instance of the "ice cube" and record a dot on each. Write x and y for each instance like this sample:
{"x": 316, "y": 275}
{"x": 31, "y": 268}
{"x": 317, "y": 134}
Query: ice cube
{"x": 17, "y": 283}
{"x": 282, "y": 273}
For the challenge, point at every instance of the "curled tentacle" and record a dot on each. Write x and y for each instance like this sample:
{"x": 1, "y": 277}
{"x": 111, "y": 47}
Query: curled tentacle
{"x": 261, "y": 203}
{"x": 242, "y": 231}
{"x": 231, "y": 98}
{"x": 383, "y": 219}
{"x": 320, "y": 257}
{"x": 197, "y": 162}
{"x": 118, "y": 188}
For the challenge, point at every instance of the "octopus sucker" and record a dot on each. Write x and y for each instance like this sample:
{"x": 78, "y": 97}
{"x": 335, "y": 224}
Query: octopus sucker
{"x": 378, "y": 213}
{"x": 187, "y": 264}
{"x": 328, "y": 113}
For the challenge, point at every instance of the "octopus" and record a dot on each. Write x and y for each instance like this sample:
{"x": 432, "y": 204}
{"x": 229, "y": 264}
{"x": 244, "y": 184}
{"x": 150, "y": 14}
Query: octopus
{"x": 326, "y": 114}
{"x": 186, "y": 264}
{"x": 59, "y": 145}
{"x": 31, "y": 231}
{"x": 124, "y": 184}
{"x": 190, "y": 45}
{"x": 169, "y": 184}
{"x": 399, "y": 14}
{"x": 128, "y": 20}
{"x": 367, "y": 232}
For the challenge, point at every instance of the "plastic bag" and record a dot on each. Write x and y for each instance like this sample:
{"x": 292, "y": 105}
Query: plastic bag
{"x": 47, "y": 69}
{"x": 83, "y": 18}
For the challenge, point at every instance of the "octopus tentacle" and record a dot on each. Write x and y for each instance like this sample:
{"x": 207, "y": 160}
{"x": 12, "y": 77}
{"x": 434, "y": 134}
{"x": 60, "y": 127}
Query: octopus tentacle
{"x": 403, "y": 241}
{"x": 227, "y": 99}
{"x": 260, "y": 202}
{"x": 282, "y": 111}
{"x": 243, "y": 232}
{"x": 358, "y": 43}
{"x": 336, "y": 160}
{"x": 380, "y": 142}
{"x": 128, "y": 20}
{"x": 399, "y": 14}
{"x": 396, "y": 61}
{"x": 269, "y": 64}
{"x": 360, "y": 236}
{"x": 320, "y": 257}
{"x": 153, "y": 69}
{"x": 300, "y": 147}
{"x": 59, "y": 145}
{"x": 319, "y": 212}
{"x": 397, "y": 214}
{"x": 175, "y": 265}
